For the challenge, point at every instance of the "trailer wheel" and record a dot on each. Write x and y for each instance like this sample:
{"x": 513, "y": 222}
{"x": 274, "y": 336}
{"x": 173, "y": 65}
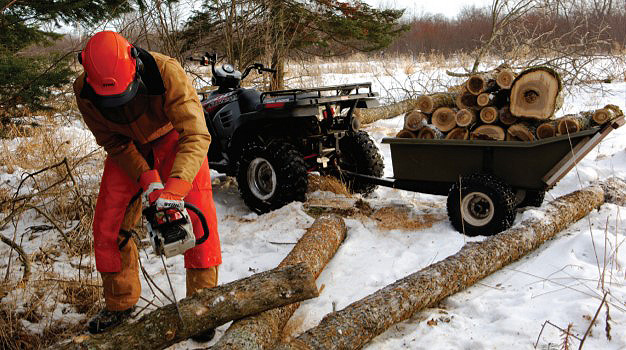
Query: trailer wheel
{"x": 270, "y": 177}
{"x": 533, "y": 199}
{"x": 481, "y": 205}
{"x": 359, "y": 154}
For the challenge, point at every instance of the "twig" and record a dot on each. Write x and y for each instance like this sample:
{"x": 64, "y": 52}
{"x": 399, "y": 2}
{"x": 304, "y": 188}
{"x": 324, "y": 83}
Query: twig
{"x": 592, "y": 322}
{"x": 56, "y": 226}
{"x": 565, "y": 331}
{"x": 23, "y": 257}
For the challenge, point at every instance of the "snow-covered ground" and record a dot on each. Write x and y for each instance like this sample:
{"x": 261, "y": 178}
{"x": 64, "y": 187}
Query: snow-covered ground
{"x": 562, "y": 282}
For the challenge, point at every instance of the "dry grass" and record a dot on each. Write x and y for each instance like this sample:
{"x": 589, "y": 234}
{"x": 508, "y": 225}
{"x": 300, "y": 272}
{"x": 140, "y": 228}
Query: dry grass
{"x": 327, "y": 184}
{"x": 402, "y": 218}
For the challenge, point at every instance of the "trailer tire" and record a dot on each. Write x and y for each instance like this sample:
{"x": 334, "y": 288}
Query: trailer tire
{"x": 481, "y": 205}
{"x": 271, "y": 176}
{"x": 359, "y": 154}
{"x": 533, "y": 199}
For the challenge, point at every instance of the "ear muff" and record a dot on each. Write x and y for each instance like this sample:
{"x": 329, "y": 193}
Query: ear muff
{"x": 134, "y": 53}
{"x": 80, "y": 57}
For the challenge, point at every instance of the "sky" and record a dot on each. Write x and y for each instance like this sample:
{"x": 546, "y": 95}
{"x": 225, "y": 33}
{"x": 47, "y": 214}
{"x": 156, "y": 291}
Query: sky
{"x": 447, "y": 7}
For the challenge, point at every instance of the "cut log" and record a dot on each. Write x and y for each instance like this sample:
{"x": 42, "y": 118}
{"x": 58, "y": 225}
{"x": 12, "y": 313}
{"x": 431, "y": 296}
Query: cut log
{"x": 477, "y": 84}
{"x": 504, "y": 78}
{"x": 207, "y": 308}
{"x": 502, "y": 99}
{"x": 606, "y": 114}
{"x": 488, "y": 132}
{"x": 465, "y": 100}
{"x": 571, "y": 123}
{"x": 458, "y": 134}
{"x": 465, "y": 117}
{"x": 430, "y": 132}
{"x": 361, "y": 321}
{"x": 370, "y": 115}
{"x": 429, "y": 103}
{"x": 505, "y": 116}
{"x": 489, "y": 115}
{"x": 444, "y": 119}
{"x": 485, "y": 99}
{"x": 315, "y": 248}
{"x": 415, "y": 120}
{"x": 521, "y": 132}
{"x": 535, "y": 93}
{"x": 546, "y": 130}
{"x": 406, "y": 134}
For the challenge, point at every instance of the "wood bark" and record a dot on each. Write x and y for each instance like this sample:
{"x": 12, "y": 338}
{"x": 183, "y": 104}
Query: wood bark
{"x": 415, "y": 120}
{"x": 315, "y": 248}
{"x": 458, "y": 134}
{"x": 370, "y": 115}
{"x": 505, "y": 116}
{"x": 444, "y": 119}
{"x": 546, "y": 130}
{"x": 488, "y": 132}
{"x": 535, "y": 93}
{"x": 361, "y": 321}
{"x": 489, "y": 115}
{"x": 504, "y": 78}
{"x": 406, "y": 134}
{"x": 465, "y": 117}
{"x": 572, "y": 123}
{"x": 429, "y": 103}
{"x": 208, "y": 308}
{"x": 521, "y": 132}
{"x": 430, "y": 132}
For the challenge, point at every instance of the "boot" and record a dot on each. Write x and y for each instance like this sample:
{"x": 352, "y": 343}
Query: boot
{"x": 106, "y": 319}
{"x": 204, "y": 336}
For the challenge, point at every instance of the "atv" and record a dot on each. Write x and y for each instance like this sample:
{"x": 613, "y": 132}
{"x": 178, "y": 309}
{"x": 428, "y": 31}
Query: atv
{"x": 271, "y": 141}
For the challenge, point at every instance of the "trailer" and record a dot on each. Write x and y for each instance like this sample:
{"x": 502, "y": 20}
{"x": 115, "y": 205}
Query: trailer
{"x": 486, "y": 181}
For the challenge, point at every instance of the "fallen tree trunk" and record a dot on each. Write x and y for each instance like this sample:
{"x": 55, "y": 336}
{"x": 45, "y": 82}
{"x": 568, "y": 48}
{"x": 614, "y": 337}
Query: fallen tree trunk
{"x": 359, "y": 322}
{"x": 315, "y": 248}
{"x": 208, "y": 308}
{"x": 370, "y": 115}
{"x": 429, "y": 103}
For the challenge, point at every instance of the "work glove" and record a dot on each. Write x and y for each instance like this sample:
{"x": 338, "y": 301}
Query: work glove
{"x": 150, "y": 183}
{"x": 172, "y": 196}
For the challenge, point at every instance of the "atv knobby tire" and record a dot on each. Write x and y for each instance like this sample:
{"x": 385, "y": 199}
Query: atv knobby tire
{"x": 271, "y": 176}
{"x": 481, "y": 205}
{"x": 533, "y": 199}
{"x": 359, "y": 154}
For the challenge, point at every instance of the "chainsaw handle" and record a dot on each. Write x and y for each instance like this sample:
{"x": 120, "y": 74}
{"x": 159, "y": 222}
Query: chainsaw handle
{"x": 205, "y": 226}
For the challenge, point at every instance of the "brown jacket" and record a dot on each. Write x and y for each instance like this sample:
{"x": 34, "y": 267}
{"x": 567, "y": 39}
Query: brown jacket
{"x": 175, "y": 104}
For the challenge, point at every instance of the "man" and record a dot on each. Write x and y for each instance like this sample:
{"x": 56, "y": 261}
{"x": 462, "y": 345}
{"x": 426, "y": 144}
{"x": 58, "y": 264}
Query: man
{"x": 143, "y": 110}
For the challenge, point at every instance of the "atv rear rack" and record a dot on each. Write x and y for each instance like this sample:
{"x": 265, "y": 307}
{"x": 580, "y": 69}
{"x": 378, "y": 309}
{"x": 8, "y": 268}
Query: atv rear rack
{"x": 314, "y": 96}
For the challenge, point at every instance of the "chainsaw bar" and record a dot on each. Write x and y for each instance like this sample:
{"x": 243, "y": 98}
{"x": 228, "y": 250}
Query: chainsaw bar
{"x": 180, "y": 316}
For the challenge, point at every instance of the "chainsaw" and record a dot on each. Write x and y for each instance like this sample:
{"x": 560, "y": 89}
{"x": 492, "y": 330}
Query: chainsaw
{"x": 171, "y": 230}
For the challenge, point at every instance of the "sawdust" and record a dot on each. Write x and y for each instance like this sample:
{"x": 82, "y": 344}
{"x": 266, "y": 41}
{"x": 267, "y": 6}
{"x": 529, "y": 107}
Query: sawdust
{"x": 394, "y": 218}
{"x": 327, "y": 184}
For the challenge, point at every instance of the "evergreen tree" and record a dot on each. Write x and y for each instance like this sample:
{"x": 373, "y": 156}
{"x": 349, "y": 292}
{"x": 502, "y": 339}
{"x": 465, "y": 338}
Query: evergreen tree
{"x": 26, "y": 79}
{"x": 247, "y": 30}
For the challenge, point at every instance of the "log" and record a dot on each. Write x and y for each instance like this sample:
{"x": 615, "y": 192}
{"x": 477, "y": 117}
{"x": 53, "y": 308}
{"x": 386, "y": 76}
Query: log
{"x": 572, "y": 123}
{"x": 465, "y": 100}
{"x": 415, "y": 120}
{"x": 505, "y": 116}
{"x": 361, "y": 321}
{"x": 429, "y": 103}
{"x": 315, "y": 248}
{"x": 477, "y": 84}
{"x": 208, "y": 308}
{"x": 406, "y": 134}
{"x": 489, "y": 115}
{"x": 458, "y": 134}
{"x": 444, "y": 119}
{"x": 535, "y": 93}
{"x": 485, "y": 99}
{"x": 504, "y": 78}
{"x": 546, "y": 130}
{"x": 465, "y": 117}
{"x": 606, "y": 114}
{"x": 430, "y": 132}
{"x": 521, "y": 132}
{"x": 488, "y": 132}
{"x": 502, "y": 99}
{"x": 370, "y": 115}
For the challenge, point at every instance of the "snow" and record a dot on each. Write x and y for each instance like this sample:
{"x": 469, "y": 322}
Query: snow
{"x": 562, "y": 282}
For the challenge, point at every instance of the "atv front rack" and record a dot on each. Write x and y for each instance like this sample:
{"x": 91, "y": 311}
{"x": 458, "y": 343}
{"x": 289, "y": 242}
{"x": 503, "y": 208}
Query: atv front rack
{"x": 314, "y": 96}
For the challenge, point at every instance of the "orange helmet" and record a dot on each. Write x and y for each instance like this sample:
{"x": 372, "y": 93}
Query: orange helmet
{"x": 110, "y": 63}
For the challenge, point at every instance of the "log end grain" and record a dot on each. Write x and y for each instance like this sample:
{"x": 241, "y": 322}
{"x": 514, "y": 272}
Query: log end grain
{"x": 444, "y": 119}
{"x": 406, "y": 134}
{"x": 458, "y": 134}
{"x": 505, "y": 78}
{"x": 415, "y": 120}
{"x": 465, "y": 117}
{"x": 488, "y": 132}
{"x": 489, "y": 115}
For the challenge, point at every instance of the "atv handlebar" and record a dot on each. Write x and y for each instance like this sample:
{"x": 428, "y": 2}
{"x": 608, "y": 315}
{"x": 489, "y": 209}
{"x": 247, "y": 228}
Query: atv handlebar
{"x": 209, "y": 59}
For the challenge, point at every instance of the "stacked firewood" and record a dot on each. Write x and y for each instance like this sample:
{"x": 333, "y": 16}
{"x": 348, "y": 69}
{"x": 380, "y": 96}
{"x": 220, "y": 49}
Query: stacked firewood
{"x": 501, "y": 105}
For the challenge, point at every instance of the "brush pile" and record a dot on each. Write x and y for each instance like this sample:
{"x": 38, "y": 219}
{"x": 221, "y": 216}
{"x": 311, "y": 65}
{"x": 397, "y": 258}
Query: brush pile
{"x": 501, "y": 105}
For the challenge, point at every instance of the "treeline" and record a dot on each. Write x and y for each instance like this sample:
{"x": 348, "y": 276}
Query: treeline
{"x": 566, "y": 22}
